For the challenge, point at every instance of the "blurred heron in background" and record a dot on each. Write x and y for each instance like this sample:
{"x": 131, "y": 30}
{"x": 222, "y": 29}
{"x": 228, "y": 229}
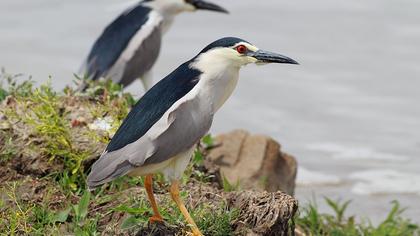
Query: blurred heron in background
{"x": 128, "y": 48}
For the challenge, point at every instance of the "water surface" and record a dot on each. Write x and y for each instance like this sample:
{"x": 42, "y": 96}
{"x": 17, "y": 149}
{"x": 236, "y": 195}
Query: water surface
{"x": 350, "y": 112}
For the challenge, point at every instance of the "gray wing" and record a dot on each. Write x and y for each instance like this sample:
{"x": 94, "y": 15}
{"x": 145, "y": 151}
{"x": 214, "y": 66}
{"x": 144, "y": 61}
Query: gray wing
{"x": 175, "y": 133}
{"x": 143, "y": 58}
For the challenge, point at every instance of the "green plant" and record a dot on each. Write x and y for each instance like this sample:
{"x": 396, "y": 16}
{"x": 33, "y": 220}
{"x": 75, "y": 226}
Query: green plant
{"x": 137, "y": 214}
{"x": 212, "y": 220}
{"x": 81, "y": 223}
{"x": 229, "y": 187}
{"x": 15, "y": 218}
{"x": 3, "y": 94}
{"x": 198, "y": 158}
{"x": 208, "y": 141}
{"x": 8, "y": 150}
{"x": 42, "y": 218}
{"x": 312, "y": 222}
{"x": 14, "y": 87}
{"x": 46, "y": 118}
{"x": 138, "y": 210}
{"x": 394, "y": 224}
{"x": 81, "y": 209}
{"x": 106, "y": 88}
{"x": 216, "y": 222}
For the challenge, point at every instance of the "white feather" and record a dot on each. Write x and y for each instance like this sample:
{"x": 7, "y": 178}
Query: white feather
{"x": 171, "y": 169}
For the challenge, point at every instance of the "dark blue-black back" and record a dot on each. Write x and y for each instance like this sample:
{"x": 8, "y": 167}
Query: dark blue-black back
{"x": 114, "y": 40}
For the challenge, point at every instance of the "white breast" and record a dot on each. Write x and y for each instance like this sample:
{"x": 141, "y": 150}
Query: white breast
{"x": 172, "y": 169}
{"x": 226, "y": 84}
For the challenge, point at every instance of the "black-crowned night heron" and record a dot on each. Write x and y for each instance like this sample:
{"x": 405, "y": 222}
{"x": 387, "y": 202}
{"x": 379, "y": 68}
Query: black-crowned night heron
{"x": 160, "y": 132}
{"x": 128, "y": 48}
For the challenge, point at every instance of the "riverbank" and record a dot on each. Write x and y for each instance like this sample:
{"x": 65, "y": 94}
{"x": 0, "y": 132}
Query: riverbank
{"x": 49, "y": 139}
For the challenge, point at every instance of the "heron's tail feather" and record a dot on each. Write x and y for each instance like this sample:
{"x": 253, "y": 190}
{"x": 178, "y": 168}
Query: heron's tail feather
{"x": 107, "y": 169}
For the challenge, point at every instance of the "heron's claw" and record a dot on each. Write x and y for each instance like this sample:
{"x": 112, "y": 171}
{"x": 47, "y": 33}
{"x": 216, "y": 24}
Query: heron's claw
{"x": 155, "y": 219}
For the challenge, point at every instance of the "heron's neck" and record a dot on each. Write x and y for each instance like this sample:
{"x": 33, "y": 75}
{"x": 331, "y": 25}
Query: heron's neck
{"x": 168, "y": 14}
{"x": 218, "y": 80}
{"x": 167, "y": 22}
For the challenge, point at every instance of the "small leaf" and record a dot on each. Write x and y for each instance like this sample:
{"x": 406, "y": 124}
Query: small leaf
{"x": 130, "y": 222}
{"x": 84, "y": 205}
{"x": 3, "y": 94}
{"x": 208, "y": 140}
{"x": 198, "y": 157}
{"x": 228, "y": 187}
{"x": 62, "y": 215}
{"x": 131, "y": 210}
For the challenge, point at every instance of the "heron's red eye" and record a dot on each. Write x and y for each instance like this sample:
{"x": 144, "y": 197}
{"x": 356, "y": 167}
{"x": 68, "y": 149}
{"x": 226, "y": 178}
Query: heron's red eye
{"x": 241, "y": 49}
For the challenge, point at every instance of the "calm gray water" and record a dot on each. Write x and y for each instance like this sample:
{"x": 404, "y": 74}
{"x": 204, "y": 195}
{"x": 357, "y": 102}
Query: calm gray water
{"x": 350, "y": 112}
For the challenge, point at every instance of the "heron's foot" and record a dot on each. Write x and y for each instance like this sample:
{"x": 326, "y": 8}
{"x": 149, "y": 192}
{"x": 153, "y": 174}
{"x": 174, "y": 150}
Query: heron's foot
{"x": 196, "y": 232}
{"x": 155, "y": 219}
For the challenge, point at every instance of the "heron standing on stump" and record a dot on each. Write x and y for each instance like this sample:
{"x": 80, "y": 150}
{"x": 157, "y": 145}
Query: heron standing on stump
{"x": 161, "y": 131}
{"x": 129, "y": 47}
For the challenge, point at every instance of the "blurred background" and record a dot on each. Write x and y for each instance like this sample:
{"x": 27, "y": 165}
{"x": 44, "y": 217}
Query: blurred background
{"x": 350, "y": 112}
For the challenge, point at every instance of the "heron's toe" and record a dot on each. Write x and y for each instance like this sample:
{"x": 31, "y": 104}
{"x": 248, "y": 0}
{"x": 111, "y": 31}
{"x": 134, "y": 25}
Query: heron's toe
{"x": 155, "y": 219}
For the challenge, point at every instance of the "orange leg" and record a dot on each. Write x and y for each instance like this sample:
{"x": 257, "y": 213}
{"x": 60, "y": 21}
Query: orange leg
{"x": 175, "y": 196}
{"x": 148, "y": 184}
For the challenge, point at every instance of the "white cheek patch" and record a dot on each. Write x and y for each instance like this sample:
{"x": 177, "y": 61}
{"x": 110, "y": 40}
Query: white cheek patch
{"x": 252, "y": 60}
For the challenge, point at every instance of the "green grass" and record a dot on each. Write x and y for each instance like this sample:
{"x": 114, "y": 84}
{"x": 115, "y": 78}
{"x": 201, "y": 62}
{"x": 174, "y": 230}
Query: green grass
{"x": 47, "y": 120}
{"x": 217, "y": 223}
{"x": 16, "y": 220}
{"x": 210, "y": 220}
{"x": 8, "y": 150}
{"x": 49, "y": 131}
{"x": 313, "y": 222}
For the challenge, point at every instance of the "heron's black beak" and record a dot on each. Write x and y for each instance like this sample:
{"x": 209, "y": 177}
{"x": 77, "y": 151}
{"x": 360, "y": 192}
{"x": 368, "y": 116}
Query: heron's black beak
{"x": 203, "y": 5}
{"x": 271, "y": 57}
